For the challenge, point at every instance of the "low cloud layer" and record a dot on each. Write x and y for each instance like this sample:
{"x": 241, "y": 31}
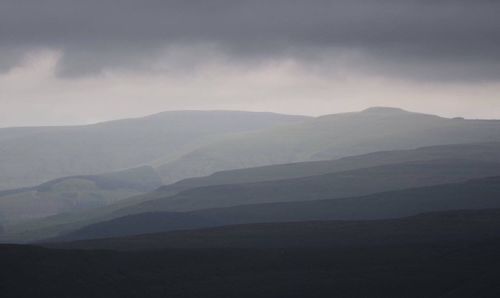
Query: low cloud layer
{"x": 68, "y": 61}
{"x": 446, "y": 39}
{"x": 32, "y": 94}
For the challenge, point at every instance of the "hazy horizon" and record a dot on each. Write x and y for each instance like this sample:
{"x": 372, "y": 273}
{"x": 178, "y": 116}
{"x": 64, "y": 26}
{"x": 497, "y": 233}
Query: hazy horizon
{"x": 138, "y": 116}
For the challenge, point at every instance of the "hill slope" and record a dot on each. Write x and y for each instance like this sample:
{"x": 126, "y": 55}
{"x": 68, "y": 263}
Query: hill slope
{"x": 458, "y": 225}
{"x": 74, "y": 194}
{"x": 336, "y": 185}
{"x": 488, "y": 152}
{"x": 30, "y": 156}
{"x": 329, "y": 186}
{"x": 474, "y": 194}
{"x": 328, "y": 137}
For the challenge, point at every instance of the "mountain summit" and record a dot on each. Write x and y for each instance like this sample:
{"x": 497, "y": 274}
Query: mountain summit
{"x": 394, "y": 112}
{"x": 384, "y": 110}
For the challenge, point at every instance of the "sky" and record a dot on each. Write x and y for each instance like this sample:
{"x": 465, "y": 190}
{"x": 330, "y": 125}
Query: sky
{"x": 78, "y": 62}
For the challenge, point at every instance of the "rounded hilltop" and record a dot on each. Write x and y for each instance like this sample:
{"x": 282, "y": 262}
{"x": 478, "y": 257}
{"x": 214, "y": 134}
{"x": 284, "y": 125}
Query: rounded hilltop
{"x": 384, "y": 110}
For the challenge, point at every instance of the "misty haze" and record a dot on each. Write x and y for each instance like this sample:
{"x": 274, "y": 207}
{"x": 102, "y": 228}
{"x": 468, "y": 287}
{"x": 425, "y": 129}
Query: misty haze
{"x": 249, "y": 148}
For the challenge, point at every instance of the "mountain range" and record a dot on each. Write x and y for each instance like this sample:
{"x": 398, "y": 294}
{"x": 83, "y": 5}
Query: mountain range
{"x": 434, "y": 227}
{"x": 346, "y": 177}
{"x": 471, "y": 195}
{"x": 241, "y": 204}
{"x": 330, "y": 137}
{"x": 187, "y": 144}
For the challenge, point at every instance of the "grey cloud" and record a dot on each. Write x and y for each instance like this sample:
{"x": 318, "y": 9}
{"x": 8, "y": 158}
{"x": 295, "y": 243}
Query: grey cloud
{"x": 447, "y": 39}
{"x": 9, "y": 57}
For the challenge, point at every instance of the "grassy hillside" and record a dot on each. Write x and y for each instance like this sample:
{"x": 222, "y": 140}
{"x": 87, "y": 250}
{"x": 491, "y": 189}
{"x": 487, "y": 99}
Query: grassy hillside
{"x": 30, "y": 156}
{"x": 328, "y": 137}
{"x": 74, "y": 194}
{"x": 478, "y": 151}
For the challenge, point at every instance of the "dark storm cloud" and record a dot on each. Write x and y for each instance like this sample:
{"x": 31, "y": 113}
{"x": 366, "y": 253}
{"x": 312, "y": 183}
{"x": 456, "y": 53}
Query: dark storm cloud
{"x": 445, "y": 39}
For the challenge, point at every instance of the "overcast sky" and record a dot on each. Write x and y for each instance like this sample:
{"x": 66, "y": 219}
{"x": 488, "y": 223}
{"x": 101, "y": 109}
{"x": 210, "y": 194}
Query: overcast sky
{"x": 71, "y": 62}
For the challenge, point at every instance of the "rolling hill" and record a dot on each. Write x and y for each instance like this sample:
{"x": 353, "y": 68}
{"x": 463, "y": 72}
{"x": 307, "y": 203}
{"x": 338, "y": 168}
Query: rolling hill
{"x": 74, "y": 194}
{"x": 336, "y": 185}
{"x": 450, "y": 226}
{"x": 487, "y": 152}
{"x": 330, "y": 137}
{"x": 475, "y": 194}
{"x": 33, "y": 155}
{"x": 194, "y": 143}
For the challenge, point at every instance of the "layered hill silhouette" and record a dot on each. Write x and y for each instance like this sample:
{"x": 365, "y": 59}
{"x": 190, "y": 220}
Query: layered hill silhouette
{"x": 439, "y": 254}
{"x": 376, "y": 128}
{"x": 472, "y": 195}
{"x": 352, "y": 176}
{"x": 237, "y": 204}
{"x": 458, "y": 225}
{"x": 33, "y": 155}
{"x": 335, "y": 185}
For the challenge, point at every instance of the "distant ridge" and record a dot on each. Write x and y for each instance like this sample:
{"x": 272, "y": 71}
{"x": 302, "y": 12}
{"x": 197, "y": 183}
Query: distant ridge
{"x": 329, "y": 137}
{"x": 184, "y": 144}
{"x": 384, "y": 110}
{"x": 32, "y": 155}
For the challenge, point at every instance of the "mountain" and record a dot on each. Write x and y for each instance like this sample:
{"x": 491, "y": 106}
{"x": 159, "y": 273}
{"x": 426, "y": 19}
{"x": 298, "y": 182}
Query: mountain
{"x": 336, "y": 185}
{"x": 194, "y": 143}
{"x": 329, "y": 137}
{"x": 33, "y": 155}
{"x": 475, "y": 194}
{"x": 74, "y": 194}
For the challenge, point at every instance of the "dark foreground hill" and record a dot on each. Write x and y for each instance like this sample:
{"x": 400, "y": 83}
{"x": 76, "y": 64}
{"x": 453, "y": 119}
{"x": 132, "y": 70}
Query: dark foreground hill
{"x": 442, "y": 269}
{"x": 451, "y": 254}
